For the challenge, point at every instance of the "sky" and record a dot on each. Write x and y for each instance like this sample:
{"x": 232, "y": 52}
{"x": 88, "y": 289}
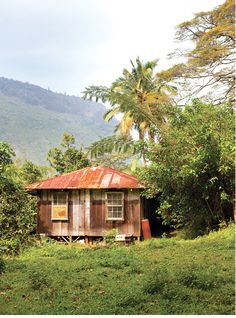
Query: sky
{"x": 67, "y": 45}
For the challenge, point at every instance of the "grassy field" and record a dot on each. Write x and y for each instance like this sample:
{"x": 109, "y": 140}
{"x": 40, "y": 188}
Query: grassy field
{"x": 161, "y": 276}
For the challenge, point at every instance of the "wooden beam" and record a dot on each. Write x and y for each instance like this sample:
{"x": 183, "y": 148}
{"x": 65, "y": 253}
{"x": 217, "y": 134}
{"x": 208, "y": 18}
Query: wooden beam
{"x": 87, "y": 212}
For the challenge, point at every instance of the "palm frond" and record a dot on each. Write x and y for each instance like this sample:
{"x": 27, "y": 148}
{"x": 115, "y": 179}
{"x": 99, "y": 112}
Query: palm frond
{"x": 97, "y": 92}
{"x": 110, "y": 144}
{"x": 111, "y": 113}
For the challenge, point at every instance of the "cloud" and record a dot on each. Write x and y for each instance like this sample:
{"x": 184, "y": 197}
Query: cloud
{"x": 67, "y": 45}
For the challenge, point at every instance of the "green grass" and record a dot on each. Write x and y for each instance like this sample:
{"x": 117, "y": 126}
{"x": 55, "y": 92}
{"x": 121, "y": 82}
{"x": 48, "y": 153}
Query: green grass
{"x": 161, "y": 276}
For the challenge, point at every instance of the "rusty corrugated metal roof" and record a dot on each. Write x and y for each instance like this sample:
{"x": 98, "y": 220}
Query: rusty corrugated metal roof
{"x": 89, "y": 178}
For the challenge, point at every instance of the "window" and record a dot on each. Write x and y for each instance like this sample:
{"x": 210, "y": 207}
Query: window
{"x": 59, "y": 206}
{"x": 115, "y": 205}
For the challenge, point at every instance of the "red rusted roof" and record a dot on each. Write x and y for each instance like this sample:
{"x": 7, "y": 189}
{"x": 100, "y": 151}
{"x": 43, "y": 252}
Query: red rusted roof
{"x": 89, "y": 178}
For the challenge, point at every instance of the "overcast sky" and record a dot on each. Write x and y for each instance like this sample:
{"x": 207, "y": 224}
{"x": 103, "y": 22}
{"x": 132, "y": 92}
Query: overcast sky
{"x": 66, "y": 45}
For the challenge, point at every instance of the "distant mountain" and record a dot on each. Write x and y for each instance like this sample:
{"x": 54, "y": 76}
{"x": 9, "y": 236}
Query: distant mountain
{"x": 33, "y": 119}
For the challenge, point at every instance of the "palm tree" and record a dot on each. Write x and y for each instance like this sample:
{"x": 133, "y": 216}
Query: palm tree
{"x": 140, "y": 96}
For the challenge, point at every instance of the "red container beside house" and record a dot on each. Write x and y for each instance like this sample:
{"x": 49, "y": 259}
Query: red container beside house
{"x": 146, "y": 229}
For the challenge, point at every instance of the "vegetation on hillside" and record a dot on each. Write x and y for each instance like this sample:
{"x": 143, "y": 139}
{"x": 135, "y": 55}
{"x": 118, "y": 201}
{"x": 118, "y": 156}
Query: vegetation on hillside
{"x": 34, "y": 125}
{"x": 164, "y": 276}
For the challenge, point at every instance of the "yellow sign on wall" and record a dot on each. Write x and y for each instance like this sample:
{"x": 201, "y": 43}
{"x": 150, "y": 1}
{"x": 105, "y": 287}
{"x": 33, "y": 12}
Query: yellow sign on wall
{"x": 59, "y": 213}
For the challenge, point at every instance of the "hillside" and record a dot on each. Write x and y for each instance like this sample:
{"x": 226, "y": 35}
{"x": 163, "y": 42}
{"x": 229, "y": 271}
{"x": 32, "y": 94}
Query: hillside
{"x": 33, "y": 119}
{"x": 160, "y": 276}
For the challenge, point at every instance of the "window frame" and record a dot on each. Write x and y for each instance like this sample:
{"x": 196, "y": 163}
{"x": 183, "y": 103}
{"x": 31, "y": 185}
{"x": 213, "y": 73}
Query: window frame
{"x": 59, "y": 205}
{"x": 114, "y": 205}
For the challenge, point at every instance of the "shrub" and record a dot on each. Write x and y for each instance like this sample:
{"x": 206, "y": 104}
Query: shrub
{"x": 17, "y": 208}
{"x": 110, "y": 237}
{"x": 17, "y": 216}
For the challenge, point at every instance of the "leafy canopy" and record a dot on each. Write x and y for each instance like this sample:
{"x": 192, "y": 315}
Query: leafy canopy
{"x": 192, "y": 168}
{"x": 29, "y": 172}
{"x": 17, "y": 208}
{"x": 209, "y": 65}
{"x": 6, "y": 154}
{"x": 67, "y": 158}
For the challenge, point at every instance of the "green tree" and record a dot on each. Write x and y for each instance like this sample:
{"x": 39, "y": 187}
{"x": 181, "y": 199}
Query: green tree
{"x": 17, "y": 216}
{"x": 192, "y": 168}
{"x": 6, "y": 154}
{"x": 29, "y": 172}
{"x": 67, "y": 158}
{"x": 209, "y": 65}
{"x": 17, "y": 208}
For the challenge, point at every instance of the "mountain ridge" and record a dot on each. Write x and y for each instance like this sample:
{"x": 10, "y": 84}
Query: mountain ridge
{"x": 33, "y": 119}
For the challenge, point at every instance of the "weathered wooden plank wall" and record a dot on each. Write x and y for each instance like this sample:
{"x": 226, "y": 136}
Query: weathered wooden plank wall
{"x": 133, "y": 217}
{"x": 78, "y": 210}
{"x": 87, "y": 214}
{"x": 97, "y": 212}
{"x": 131, "y": 224}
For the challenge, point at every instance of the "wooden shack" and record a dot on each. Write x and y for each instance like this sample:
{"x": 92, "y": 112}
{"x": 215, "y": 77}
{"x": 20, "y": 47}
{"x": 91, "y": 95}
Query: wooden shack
{"x": 87, "y": 203}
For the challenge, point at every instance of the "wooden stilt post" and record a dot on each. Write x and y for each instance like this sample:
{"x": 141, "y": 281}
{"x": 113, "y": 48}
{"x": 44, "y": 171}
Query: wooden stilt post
{"x": 86, "y": 240}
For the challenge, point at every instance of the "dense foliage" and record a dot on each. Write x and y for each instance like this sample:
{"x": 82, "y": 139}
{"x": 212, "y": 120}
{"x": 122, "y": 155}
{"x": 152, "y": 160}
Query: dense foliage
{"x": 67, "y": 158}
{"x": 6, "y": 153}
{"x": 29, "y": 172}
{"x": 17, "y": 208}
{"x": 17, "y": 217}
{"x": 192, "y": 168}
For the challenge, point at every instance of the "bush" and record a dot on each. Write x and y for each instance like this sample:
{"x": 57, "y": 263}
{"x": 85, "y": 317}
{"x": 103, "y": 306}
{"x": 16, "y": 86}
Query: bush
{"x": 11, "y": 245}
{"x": 110, "y": 237}
{"x": 17, "y": 216}
{"x": 17, "y": 207}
